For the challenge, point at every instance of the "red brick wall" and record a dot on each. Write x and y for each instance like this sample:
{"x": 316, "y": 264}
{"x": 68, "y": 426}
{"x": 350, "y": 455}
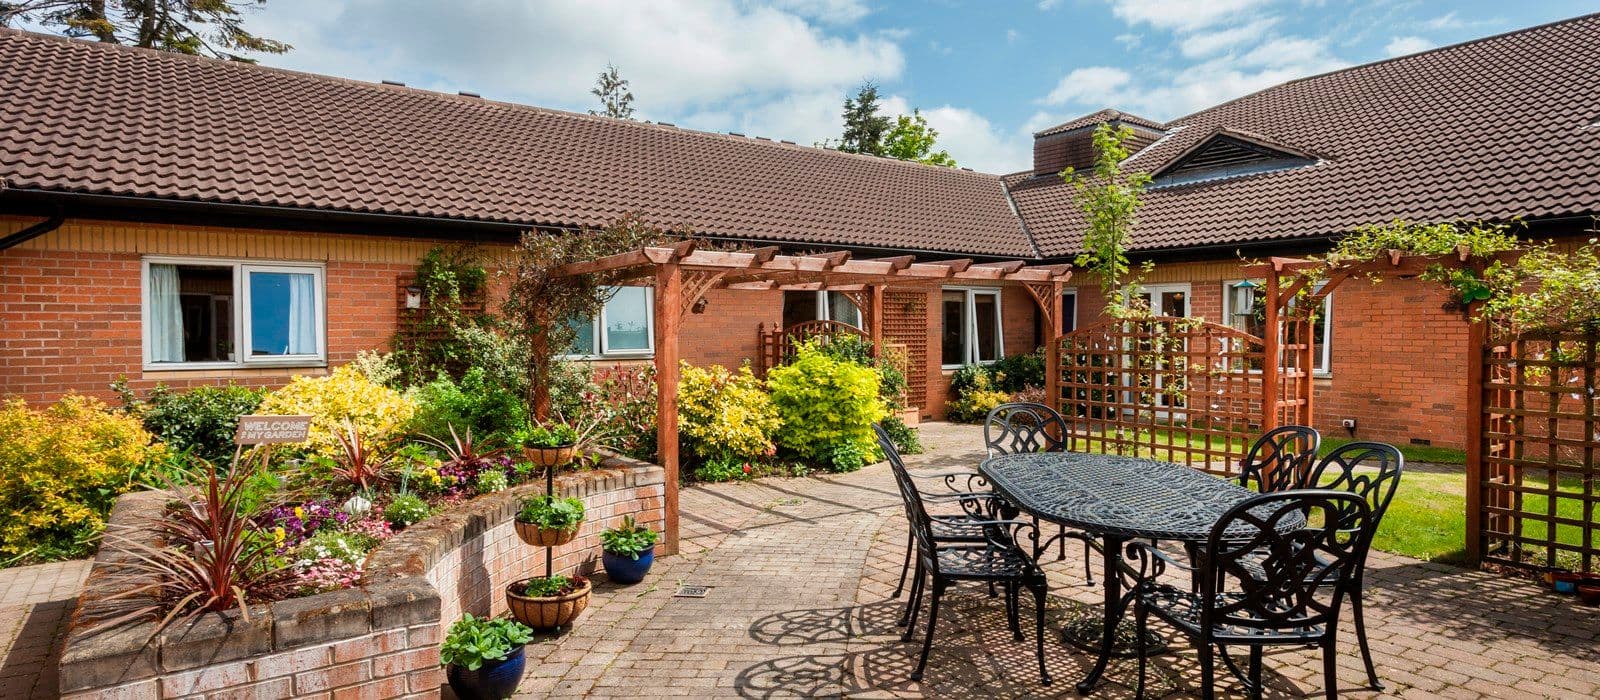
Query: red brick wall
{"x": 726, "y": 333}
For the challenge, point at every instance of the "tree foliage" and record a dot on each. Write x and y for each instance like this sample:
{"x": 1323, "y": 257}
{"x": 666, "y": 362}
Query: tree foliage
{"x": 1109, "y": 198}
{"x": 864, "y": 127}
{"x": 196, "y": 27}
{"x": 616, "y": 100}
{"x": 912, "y": 139}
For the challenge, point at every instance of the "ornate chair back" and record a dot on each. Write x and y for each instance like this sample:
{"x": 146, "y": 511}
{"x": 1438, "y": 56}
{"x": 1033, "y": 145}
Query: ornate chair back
{"x": 1370, "y": 470}
{"x": 1279, "y": 459}
{"x": 916, "y": 513}
{"x": 1024, "y": 427}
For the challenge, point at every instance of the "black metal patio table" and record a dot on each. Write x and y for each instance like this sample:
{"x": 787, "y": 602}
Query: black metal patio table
{"x": 1117, "y": 499}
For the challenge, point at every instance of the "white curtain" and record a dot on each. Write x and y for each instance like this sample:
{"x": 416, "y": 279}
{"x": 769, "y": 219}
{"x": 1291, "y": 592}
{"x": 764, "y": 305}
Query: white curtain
{"x": 302, "y": 314}
{"x": 166, "y": 315}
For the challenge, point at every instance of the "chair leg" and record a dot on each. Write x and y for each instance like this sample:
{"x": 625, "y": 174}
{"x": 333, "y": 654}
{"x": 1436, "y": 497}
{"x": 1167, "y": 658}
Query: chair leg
{"x": 1361, "y": 639}
{"x": 1013, "y": 602}
{"x": 1039, "y": 592}
{"x": 1330, "y": 669}
{"x": 1208, "y": 688}
{"x": 914, "y": 603}
{"x": 1255, "y": 672}
{"x": 933, "y": 620}
{"x": 1141, "y": 622}
{"x": 1063, "y": 543}
{"x": 905, "y": 566}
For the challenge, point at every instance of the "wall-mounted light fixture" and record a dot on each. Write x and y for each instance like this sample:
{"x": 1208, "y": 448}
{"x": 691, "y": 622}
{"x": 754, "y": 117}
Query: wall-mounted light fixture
{"x": 1244, "y": 298}
{"x": 413, "y": 297}
{"x": 700, "y": 305}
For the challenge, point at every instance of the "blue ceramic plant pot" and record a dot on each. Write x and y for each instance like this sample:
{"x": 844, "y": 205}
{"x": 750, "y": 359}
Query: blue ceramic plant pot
{"x": 626, "y": 569}
{"x": 495, "y": 680}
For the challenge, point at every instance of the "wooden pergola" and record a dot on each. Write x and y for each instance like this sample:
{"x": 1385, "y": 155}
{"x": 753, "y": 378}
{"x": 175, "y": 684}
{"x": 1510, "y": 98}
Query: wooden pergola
{"x": 682, "y": 274}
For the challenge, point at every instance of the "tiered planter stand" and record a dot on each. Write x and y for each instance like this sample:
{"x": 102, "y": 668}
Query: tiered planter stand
{"x": 555, "y": 612}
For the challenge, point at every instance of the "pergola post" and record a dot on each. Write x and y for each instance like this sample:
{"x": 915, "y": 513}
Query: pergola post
{"x": 874, "y": 314}
{"x": 1047, "y": 295}
{"x": 668, "y": 314}
{"x": 1271, "y": 340}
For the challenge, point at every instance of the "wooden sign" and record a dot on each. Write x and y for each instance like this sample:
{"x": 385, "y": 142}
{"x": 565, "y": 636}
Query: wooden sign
{"x": 267, "y": 430}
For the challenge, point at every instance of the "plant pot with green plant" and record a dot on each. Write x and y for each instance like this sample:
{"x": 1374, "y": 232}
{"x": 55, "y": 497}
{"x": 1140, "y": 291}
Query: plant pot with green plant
{"x": 628, "y": 551}
{"x": 548, "y": 445}
{"x": 547, "y": 521}
{"x": 483, "y": 657}
{"x": 548, "y": 602}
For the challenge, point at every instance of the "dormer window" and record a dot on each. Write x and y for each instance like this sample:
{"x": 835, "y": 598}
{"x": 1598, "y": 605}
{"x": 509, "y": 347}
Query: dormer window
{"x": 1229, "y": 154}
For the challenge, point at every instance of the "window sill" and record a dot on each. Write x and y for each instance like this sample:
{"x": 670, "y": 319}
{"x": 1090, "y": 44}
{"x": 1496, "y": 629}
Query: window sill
{"x": 229, "y": 370}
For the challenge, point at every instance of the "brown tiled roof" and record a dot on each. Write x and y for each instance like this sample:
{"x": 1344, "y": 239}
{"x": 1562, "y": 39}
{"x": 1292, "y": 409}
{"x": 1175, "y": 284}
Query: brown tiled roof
{"x": 1496, "y": 128}
{"x": 93, "y": 118}
{"x": 1101, "y": 117}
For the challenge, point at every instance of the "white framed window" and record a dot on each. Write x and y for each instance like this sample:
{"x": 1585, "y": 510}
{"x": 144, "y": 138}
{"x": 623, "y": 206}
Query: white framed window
{"x": 205, "y": 313}
{"x": 1069, "y": 311}
{"x": 802, "y": 306}
{"x": 1241, "y": 310}
{"x": 1167, "y": 299}
{"x": 971, "y": 333}
{"x": 626, "y": 327}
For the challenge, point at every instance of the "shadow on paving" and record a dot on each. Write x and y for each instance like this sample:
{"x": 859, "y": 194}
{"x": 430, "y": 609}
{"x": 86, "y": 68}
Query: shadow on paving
{"x": 29, "y": 669}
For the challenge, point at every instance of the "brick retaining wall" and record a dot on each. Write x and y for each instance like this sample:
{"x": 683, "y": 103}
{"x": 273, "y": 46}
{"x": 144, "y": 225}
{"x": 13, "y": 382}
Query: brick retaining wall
{"x": 379, "y": 640}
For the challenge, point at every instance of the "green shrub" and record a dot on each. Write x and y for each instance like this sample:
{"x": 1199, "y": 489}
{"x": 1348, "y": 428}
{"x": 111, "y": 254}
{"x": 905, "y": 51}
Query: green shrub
{"x": 200, "y": 421}
{"x": 724, "y": 468}
{"x": 490, "y": 481}
{"x": 1015, "y": 373}
{"x": 628, "y": 539}
{"x": 974, "y": 403}
{"x": 406, "y": 509}
{"x": 725, "y": 415}
{"x": 489, "y": 409}
{"x": 904, "y": 437}
{"x": 827, "y": 406}
{"x": 625, "y": 406}
{"x": 60, "y": 470}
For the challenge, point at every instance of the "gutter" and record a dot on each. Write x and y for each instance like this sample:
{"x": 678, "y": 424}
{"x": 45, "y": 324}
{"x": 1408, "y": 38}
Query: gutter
{"x": 57, "y": 217}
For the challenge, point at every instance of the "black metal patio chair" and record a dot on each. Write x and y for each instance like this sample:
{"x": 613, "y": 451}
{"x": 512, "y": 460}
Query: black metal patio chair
{"x": 1273, "y": 572}
{"x": 1279, "y": 459}
{"x": 1371, "y": 471}
{"x": 1018, "y": 427}
{"x": 995, "y": 559}
{"x": 967, "y": 491}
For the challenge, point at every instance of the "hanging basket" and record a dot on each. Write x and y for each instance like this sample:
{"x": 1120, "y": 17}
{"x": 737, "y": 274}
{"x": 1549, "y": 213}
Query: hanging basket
{"x": 543, "y": 537}
{"x": 547, "y": 613}
{"x": 549, "y": 457}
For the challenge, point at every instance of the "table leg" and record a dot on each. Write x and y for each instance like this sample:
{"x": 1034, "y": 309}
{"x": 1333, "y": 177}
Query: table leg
{"x": 1112, "y": 550}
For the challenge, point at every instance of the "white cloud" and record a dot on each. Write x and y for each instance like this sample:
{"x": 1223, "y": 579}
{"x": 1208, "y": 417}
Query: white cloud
{"x": 679, "y": 56}
{"x": 1129, "y": 41}
{"x": 1012, "y": 35}
{"x": 830, "y": 11}
{"x": 1181, "y": 15}
{"x": 1047, "y": 5}
{"x": 1402, "y": 45}
{"x": 1206, "y": 43}
{"x": 1089, "y": 85}
{"x": 975, "y": 143}
{"x": 1448, "y": 20}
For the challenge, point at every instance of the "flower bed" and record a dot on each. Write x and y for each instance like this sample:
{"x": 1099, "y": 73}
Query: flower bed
{"x": 378, "y": 639}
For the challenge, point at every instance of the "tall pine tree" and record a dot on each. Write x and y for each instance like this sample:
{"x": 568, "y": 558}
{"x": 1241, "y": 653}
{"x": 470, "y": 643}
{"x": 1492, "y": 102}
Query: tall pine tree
{"x": 616, "y": 100}
{"x": 864, "y": 127}
{"x": 196, "y": 27}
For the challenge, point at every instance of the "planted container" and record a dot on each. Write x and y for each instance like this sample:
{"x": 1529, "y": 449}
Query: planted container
{"x": 494, "y": 680}
{"x": 547, "y": 521}
{"x": 483, "y": 657}
{"x": 548, "y": 446}
{"x": 549, "y": 611}
{"x": 628, "y": 551}
{"x": 621, "y": 568}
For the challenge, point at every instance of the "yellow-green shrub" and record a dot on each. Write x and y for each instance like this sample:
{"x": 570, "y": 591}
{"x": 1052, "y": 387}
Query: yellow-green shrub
{"x": 828, "y": 406}
{"x": 378, "y": 412}
{"x": 725, "y": 414}
{"x": 977, "y": 397}
{"x": 60, "y": 470}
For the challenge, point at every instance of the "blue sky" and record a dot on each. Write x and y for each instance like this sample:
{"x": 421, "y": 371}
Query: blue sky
{"x": 986, "y": 74}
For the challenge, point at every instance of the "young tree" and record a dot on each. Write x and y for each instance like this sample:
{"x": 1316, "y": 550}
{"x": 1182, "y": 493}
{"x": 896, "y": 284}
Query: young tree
{"x": 912, "y": 139}
{"x": 1109, "y": 197}
{"x": 615, "y": 98}
{"x": 196, "y": 27}
{"x": 864, "y": 127}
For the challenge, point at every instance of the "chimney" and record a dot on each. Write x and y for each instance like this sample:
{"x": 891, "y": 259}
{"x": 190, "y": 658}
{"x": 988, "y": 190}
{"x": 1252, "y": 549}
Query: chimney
{"x": 1071, "y": 145}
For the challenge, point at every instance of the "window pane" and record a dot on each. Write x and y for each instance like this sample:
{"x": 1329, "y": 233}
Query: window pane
{"x": 190, "y": 313}
{"x": 799, "y": 307}
{"x": 283, "y": 313}
{"x": 583, "y": 342}
{"x": 986, "y": 309}
{"x": 628, "y": 320}
{"x": 1069, "y": 313}
{"x": 955, "y": 323}
{"x": 1320, "y": 357}
{"x": 1174, "y": 304}
{"x": 842, "y": 310}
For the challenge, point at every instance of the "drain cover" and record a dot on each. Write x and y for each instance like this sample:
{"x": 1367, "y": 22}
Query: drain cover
{"x": 692, "y": 591}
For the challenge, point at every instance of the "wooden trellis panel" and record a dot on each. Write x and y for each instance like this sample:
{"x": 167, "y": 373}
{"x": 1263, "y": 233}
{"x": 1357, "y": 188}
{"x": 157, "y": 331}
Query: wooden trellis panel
{"x": 1175, "y": 389}
{"x": 905, "y": 323}
{"x": 1539, "y": 501}
{"x": 777, "y": 345}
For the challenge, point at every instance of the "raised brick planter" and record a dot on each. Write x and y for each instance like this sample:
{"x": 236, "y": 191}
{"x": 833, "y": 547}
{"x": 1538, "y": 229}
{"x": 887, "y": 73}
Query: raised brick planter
{"x": 379, "y": 640}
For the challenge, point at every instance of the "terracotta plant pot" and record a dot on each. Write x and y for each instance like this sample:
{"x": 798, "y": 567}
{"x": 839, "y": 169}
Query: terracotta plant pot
{"x": 550, "y": 456}
{"x": 1589, "y": 594}
{"x": 547, "y": 613}
{"x": 1564, "y": 581}
{"x": 541, "y": 537}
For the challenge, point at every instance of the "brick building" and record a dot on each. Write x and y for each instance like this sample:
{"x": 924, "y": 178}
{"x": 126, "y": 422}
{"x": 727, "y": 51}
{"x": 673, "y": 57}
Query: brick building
{"x": 173, "y": 219}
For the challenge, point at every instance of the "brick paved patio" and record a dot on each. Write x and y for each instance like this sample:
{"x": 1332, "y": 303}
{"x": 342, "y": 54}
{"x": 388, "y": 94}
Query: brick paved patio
{"x": 801, "y": 571}
{"x": 35, "y": 602}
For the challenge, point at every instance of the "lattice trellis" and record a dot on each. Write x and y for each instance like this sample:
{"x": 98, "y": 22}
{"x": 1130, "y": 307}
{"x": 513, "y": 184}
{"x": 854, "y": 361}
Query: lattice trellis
{"x": 1175, "y": 389}
{"x": 905, "y": 323}
{"x": 1540, "y": 501}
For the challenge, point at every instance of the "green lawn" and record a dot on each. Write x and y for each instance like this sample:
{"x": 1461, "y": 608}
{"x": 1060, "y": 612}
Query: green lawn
{"x": 1413, "y": 453}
